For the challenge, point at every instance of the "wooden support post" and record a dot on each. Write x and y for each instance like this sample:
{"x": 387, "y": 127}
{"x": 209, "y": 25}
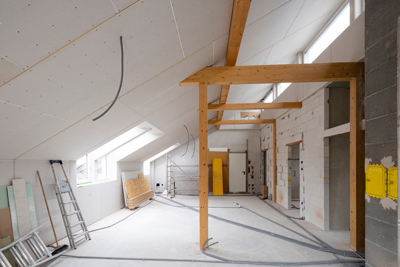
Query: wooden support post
{"x": 357, "y": 155}
{"x": 203, "y": 162}
{"x": 275, "y": 175}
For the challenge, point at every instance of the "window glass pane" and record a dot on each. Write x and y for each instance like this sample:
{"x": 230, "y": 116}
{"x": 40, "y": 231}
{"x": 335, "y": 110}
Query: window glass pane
{"x": 335, "y": 28}
{"x": 81, "y": 171}
{"x": 100, "y": 170}
{"x": 282, "y": 87}
{"x": 269, "y": 98}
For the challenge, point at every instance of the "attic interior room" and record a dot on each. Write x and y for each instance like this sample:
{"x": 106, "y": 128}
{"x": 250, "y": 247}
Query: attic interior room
{"x": 199, "y": 133}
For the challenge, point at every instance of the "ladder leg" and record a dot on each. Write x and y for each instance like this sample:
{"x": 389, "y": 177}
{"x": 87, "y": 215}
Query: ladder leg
{"x": 3, "y": 261}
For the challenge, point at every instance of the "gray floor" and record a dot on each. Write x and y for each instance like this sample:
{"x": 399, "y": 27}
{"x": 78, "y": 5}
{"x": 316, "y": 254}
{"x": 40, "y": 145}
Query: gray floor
{"x": 163, "y": 231}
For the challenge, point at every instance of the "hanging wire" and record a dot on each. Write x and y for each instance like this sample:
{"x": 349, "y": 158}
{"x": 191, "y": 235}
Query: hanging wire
{"x": 120, "y": 84}
{"x": 187, "y": 141}
{"x": 194, "y": 145}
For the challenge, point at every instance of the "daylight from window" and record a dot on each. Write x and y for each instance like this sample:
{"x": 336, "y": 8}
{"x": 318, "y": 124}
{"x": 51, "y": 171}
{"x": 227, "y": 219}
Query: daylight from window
{"x": 146, "y": 164}
{"x": 335, "y": 28}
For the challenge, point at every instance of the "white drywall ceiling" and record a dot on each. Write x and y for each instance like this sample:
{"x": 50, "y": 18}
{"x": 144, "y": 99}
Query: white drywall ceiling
{"x": 55, "y": 79}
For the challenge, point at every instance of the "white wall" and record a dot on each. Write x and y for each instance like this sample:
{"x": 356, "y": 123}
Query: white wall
{"x": 308, "y": 124}
{"x": 235, "y": 140}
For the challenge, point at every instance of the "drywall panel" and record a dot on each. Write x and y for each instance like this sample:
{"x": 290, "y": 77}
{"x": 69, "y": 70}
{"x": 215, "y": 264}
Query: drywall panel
{"x": 22, "y": 206}
{"x": 257, "y": 59}
{"x": 8, "y": 70}
{"x": 23, "y": 129}
{"x": 201, "y": 22}
{"x": 86, "y": 134}
{"x": 122, "y": 4}
{"x": 79, "y": 79}
{"x": 260, "y": 35}
{"x": 220, "y": 47}
{"x": 313, "y": 10}
{"x": 6, "y": 172}
{"x": 169, "y": 78}
{"x": 300, "y": 38}
{"x": 32, "y": 30}
{"x": 261, "y": 8}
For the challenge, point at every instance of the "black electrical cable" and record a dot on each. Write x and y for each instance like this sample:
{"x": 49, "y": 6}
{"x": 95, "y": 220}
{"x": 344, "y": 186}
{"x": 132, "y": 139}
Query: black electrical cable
{"x": 187, "y": 141}
{"x": 194, "y": 145}
{"x": 120, "y": 84}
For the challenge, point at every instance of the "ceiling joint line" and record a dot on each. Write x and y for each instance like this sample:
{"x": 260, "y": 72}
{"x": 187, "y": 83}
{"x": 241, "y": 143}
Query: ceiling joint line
{"x": 295, "y": 18}
{"x": 116, "y": 9}
{"x": 177, "y": 29}
{"x": 269, "y": 12}
{"x": 19, "y": 65}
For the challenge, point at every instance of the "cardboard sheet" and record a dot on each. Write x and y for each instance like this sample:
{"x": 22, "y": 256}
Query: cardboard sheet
{"x": 6, "y": 224}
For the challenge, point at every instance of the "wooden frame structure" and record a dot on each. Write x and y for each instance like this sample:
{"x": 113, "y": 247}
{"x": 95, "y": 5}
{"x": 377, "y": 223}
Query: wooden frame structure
{"x": 324, "y": 72}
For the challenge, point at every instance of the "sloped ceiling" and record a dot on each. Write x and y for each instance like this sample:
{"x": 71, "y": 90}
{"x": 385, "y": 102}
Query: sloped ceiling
{"x": 60, "y": 66}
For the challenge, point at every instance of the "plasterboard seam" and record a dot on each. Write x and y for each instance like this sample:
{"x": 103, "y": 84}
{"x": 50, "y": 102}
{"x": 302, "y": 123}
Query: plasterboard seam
{"x": 12, "y": 63}
{"x": 118, "y": 98}
{"x": 177, "y": 30}
{"x": 116, "y": 9}
{"x": 295, "y": 18}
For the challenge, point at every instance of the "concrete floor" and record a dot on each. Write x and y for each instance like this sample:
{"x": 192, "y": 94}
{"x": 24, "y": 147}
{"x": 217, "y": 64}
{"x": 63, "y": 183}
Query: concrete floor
{"x": 163, "y": 231}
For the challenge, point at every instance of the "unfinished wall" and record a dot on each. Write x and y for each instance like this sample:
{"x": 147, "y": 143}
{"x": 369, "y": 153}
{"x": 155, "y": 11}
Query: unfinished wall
{"x": 339, "y": 182}
{"x": 235, "y": 140}
{"x": 380, "y": 125}
{"x": 96, "y": 201}
{"x": 294, "y": 171}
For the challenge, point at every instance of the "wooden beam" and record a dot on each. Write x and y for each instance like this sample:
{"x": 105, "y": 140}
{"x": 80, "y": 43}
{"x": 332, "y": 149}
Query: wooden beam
{"x": 251, "y": 106}
{"x": 275, "y": 160}
{"x": 295, "y": 143}
{"x": 203, "y": 163}
{"x": 238, "y": 23}
{"x": 229, "y": 122}
{"x": 296, "y": 73}
{"x": 357, "y": 155}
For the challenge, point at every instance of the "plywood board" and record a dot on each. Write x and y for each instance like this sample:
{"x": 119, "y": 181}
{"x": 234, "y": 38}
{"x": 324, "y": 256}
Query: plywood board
{"x": 136, "y": 201}
{"x": 225, "y": 170}
{"x": 22, "y": 206}
{"x": 217, "y": 177}
{"x": 13, "y": 211}
{"x": 137, "y": 187}
{"x": 6, "y": 224}
{"x": 31, "y": 205}
{"x": 3, "y": 197}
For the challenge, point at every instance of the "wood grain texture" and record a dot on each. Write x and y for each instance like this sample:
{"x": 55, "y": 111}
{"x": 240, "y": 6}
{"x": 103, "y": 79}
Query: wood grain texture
{"x": 137, "y": 200}
{"x": 251, "y": 106}
{"x": 275, "y": 161}
{"x": 136, "y": 187}
{"x": 295, "y": 73}
{"x": 230, "y": 122}
{"x": 357, "y": 155}
{"x": 203, "y": 165}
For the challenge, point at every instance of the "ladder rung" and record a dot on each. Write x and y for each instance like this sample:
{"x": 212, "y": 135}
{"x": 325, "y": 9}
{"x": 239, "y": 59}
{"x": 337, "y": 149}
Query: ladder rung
{"x": 76, "y": 224}
{"x": 72, "y": 213}
{"x": 69, "y": 202}
{"x": 80, "y": 234}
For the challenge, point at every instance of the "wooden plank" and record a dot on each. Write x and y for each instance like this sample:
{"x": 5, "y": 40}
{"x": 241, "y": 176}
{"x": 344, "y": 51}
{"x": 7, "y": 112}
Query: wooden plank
{"x": 274, "y": 170}
{"x": 137, "y": 200}
{"x": 357, "y": 155}
{"x": 265, "y": 192}
{"x": 295, "y": 143}
{"x": 22, "y": 206}
{"x": 6, "y": 224}
{"x": 229, "y": 122}
{"x": 3, "y": 197}
{"x": 31, "y": 206}
{"x": 136, "y": 187}
{"x": 13, "y": 211}
{"x": 296, "y": 73}
{"x": 217, "y": 177}
{"x": 251, "y": 106}
{"x": 225, "y": 169}
{"x": 203, "y": 165}
{"x": 339, "y": 130}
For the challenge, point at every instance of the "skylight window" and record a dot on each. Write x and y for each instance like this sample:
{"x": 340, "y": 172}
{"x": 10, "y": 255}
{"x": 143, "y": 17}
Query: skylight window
{"x": 269, "y": 98}
{"x": 282, "y": 87}
{"x": 146, "y": 164}
{"x": 335, "y": 28}
{"x": 101, "y": 164}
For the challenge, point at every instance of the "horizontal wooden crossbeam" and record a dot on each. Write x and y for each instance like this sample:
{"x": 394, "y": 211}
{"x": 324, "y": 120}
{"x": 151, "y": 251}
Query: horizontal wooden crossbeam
{"x": 228, "y": 122}
{"x": 296, "y": 73}
{"x": 251, "y": 106}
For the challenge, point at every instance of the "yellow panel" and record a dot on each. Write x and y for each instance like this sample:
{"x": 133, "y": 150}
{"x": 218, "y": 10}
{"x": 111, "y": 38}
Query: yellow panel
{"x": 376, "y": 181}
{"x": 392, "y": 179}
{"x": 217, "y": 177}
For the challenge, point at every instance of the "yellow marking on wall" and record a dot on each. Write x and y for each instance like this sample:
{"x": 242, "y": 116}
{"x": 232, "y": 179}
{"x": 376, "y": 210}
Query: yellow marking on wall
{"x": 375, "y": 183}
{"x": 217, "y": 177}
{"x": 326, "y": 178}
{"x": 327, "y": 157}
{"x": 392, "y": 180}
{"x": 289, "y": 180}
